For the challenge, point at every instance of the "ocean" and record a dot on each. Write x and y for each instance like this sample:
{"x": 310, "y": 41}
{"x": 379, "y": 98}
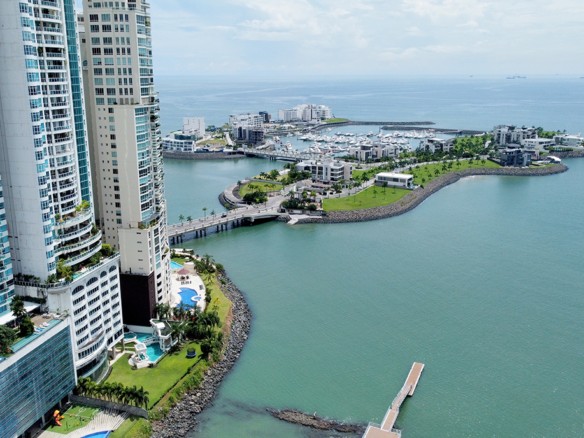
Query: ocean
{"x": 481, "y": 282}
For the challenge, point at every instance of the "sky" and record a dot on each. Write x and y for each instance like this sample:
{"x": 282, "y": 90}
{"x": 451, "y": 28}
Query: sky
{"x": 307, "y": 38}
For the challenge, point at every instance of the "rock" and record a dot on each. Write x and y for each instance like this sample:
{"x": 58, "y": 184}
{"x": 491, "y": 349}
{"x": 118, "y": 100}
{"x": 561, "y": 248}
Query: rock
{"x": 181, "y": 419}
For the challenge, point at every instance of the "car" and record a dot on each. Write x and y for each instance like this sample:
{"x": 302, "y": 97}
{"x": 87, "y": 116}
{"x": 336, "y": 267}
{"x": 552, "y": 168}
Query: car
{"x": 224, "y": 215}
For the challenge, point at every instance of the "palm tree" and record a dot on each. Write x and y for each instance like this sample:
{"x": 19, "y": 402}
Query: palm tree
{"x": 189, "y": 219}
{"x": 181, "y": 218}
{"x": 205, "y": 212}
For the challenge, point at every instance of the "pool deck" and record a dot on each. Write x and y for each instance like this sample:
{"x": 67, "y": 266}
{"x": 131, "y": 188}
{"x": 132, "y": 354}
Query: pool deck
{"x": 191, "y": 281}
{"x": 104, "y": 420}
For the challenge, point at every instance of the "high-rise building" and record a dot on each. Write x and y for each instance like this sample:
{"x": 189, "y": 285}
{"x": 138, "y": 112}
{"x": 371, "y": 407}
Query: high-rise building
{"x": 58, "y": 259}
{"x": 6, "y": 278}
{"x": 126, "y": 151}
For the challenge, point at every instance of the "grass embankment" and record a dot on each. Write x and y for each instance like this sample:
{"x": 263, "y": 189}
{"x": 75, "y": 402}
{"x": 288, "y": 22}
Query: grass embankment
{"x": 264, "y": 186}
{"x": 376, "y": 196}
{"x": 74, "y": 418}
{"x": 370, "y": 197}
{"x": 174, "y": 375}
{"x": 336, "y": 120}
{"x": 425, "y": 173}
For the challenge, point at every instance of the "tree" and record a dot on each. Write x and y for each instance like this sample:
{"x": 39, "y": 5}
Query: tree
{"x": 181, "y": 218}
{"x": 7, "y": 338}
{"x": 23, "y": 321}
{"x": 274, "y": 174}
{"x": 205, "y": 212}
{"x": 189, "y": 219}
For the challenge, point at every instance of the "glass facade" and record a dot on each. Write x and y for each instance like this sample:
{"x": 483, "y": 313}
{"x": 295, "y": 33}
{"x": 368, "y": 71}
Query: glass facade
{"x": 6, "y": 280}
{"x": 35, "y": 379}
{"x": 77, "y": 95}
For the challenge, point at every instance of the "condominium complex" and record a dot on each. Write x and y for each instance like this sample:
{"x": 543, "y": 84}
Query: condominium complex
{"x": 57, "y": 259}
{"x": 126, "y": 151}
{"x": 305, "y": 113}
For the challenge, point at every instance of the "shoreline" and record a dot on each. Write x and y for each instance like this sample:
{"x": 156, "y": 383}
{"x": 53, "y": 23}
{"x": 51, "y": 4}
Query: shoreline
{"x": 182, "y": 418}
{"x": 417, "y": 196}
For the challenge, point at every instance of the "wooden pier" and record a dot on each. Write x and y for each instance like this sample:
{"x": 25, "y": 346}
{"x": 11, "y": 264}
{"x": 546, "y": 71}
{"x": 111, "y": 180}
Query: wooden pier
{"x": 386, "y": 429}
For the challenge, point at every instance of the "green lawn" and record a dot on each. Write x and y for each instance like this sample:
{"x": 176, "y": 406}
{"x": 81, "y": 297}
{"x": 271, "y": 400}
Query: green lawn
{"x": 265, "y": 186}
{"x": 172, "y": 367}
{"x": 74, "y": 418}
{"x": 336, "y": 120}
{"x": 427, "y": 172}
{"x": 370, "y": 197}
{"x": 132, "y": 428}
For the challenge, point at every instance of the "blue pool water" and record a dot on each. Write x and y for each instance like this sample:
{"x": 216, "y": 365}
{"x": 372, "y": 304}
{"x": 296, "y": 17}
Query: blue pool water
{"x": 175, "y": 265}
{"x": 103, "y": 434}
{"x": 188, "y": 296}
{"x": 154, "y": 352}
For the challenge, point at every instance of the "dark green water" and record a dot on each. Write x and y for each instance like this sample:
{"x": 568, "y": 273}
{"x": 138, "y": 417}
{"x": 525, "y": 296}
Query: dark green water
{"x": 482, "y": 283}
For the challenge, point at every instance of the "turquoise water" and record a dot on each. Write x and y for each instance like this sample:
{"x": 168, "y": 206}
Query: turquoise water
{"x": 103, "y": 434}
{"x": 481, "y": 282}
{"x": 175, "y": 265}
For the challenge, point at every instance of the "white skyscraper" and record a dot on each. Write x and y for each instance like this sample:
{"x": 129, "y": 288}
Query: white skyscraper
{"x": 126, "y": 151}
{"x": 56, "y": 248}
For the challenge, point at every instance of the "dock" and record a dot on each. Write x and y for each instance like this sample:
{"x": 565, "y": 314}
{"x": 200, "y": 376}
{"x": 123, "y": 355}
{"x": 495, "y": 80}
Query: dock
{"x": 386, "y": 429}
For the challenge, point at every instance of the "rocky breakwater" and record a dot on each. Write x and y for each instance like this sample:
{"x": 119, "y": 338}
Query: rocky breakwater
{"x": 315, "y": 422}
{"x": 182, "y": 418}
{"x": 417, "y": 196}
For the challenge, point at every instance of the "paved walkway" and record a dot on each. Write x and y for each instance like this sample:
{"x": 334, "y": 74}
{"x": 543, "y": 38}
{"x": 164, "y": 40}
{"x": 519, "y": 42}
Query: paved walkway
{"x": 104, "y": 420}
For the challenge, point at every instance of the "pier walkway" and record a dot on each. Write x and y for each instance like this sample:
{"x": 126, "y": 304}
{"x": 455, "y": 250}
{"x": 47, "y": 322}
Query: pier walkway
{"x": 386, "y": 429}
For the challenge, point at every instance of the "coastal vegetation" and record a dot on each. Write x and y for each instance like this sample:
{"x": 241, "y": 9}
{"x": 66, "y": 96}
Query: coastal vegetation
{"x": 373, "y": 196}
{"x": 425, "y": 173}
{"x": 336, "y": 120}
{"x": 167, "y": 381}
{"x": 264, "y": 186}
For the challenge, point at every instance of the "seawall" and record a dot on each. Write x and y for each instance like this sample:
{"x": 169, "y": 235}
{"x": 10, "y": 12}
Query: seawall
{"x": 416, "y": 197}
{"x": 182, "y": 418}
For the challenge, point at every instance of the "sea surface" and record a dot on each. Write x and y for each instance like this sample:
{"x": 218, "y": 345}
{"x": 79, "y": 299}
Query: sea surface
{"x": 482, "y": 282}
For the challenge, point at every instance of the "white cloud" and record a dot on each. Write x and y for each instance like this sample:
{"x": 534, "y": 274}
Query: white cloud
{"x": 350, "y": 36}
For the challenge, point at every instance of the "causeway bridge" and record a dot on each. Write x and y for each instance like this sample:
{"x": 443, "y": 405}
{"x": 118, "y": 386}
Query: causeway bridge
{"x": 282, "y": 155}
{"x": 386, "y": 429}
{"x": 242, "y": 216}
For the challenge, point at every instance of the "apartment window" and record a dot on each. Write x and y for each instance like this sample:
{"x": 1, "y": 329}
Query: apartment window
{"x": 99, "y": 91}
{"x": 110, "y": 71}
{"x": 94, "y": 28}
{"x": 99, "y": 101}
{"x": 111, "y": 91}
{"x": 97, "y": 71}
{"x": 108, "y": 51}
{"x": 98, "y": 81}
{"x": 106, "y": 18}
{"x": 106, "y": 27}
{"x": 95, "y": 41}
{"x": 93, "y": 18}
{"x": 107, "y": 40}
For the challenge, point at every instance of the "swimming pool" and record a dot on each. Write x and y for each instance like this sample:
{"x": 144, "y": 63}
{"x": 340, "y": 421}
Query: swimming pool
{"x": 103, "y": 434}
{"x": 188, "y": 297}
{"x": 154, "y": 352}
{"x": 175, "y": 265}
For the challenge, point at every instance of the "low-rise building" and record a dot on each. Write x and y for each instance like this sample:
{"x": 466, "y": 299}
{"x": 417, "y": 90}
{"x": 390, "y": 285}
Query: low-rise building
{"x": 247, "y": 128}
{"x": 305, "y": 112}
{"x": 391, "y": 179}
{"x": 374, "y": 152}
{"x": 568, "y": 141}
{"x": 536, "y": 145}
{"x": 327, "y": 171}
{"x": 505, "y": 135}
{"x": 514, "y": 157}
{"x": 435, "y": 144}
{"x": 185, "y": 140}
